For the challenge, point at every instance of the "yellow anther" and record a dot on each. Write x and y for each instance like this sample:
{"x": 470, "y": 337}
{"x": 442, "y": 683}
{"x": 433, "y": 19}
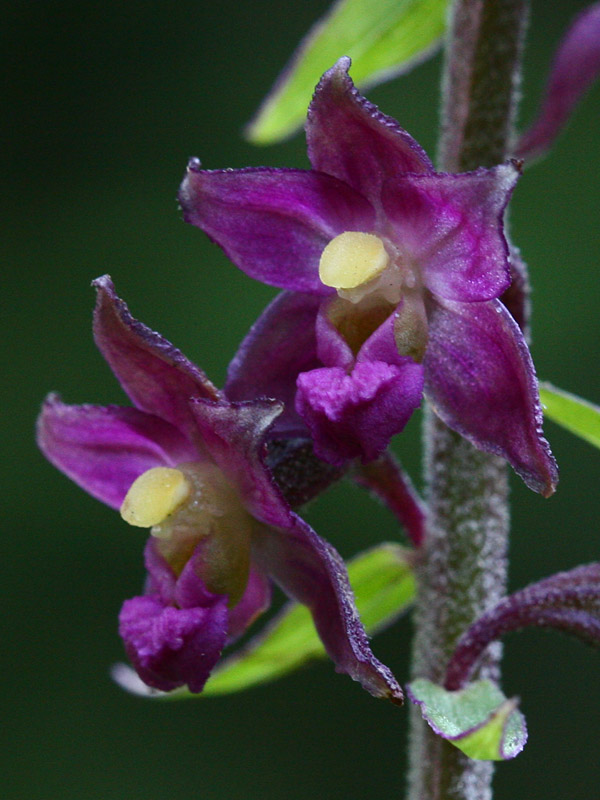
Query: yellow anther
{"x": 352, "y": 259}
{"x": 154, "y": 495}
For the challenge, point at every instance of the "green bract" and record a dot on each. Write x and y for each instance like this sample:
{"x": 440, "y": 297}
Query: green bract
{"x": 478, "y": 719}
{"x": 383, "y": 39}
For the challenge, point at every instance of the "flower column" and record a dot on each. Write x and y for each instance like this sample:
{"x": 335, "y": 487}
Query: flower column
{"x": 463, "y": 571}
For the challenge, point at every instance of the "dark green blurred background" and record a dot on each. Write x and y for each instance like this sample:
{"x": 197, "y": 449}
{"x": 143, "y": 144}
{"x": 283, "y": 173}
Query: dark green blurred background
{"x": 106, "y": 102}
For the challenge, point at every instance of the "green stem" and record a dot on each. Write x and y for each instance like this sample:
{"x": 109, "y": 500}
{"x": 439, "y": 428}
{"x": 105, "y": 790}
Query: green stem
{"x": 463, "y": 566}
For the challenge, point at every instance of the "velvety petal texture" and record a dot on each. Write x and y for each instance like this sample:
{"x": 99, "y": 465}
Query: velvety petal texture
{"x": 207, "y": 562}
{"x": 480, "y": 380}
{"x": 156, "y": 376}
{"x": 170, "y": 646}
{"x": 104, "y": 449}
{"x": 452, "y": 226}
{"x": 355, "y": 415}
{"x": 567, "y": 601}
{"x": 273, "y": 223}
{"x": 309, "y": 570}
{"x": 280, "y": 345}
{"x": 576, "y": 65}
{"x": 350, "y": 138}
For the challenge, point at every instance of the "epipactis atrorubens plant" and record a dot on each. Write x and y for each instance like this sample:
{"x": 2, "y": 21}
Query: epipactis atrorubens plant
{"x": 397, "y": 286}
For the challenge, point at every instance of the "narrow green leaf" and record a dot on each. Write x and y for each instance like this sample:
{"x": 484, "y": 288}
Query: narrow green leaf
{"x": 384, "y": 587}
{"x": 383, "y": 38}
{"x": 575, "y": 414}
{"x": 478, "y": 719}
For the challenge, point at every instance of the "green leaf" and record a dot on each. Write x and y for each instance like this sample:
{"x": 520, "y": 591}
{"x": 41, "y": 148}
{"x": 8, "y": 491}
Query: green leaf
{"x": 478, "y": 719}
{"x": 573, "y": 413}
{"x": 384, "y": 587}
{"x": 383, "y": 38}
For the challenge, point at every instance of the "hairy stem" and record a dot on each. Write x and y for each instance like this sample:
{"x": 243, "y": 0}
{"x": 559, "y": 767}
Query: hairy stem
{"x": 463, "y": 568}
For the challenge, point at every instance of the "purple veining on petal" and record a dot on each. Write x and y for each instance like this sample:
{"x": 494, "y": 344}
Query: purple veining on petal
{"x": 568, "y": 601}
{"x": 280, "y": 345}
{"x": 274, "y": 223}
{"x": 156, "y": 376}
{"x": 480, "y": 380}
{"x": 452, "y": 227}
{"x": 104, "y": 449}
{"x": 350, "y": 138}
{"x": 576, "y": 65}
{"x": 310, "y": 571}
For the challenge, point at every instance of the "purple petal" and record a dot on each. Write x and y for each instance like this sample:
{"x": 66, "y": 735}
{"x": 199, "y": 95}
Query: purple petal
{"x": 157, "y": 377}
{"x": 256, "y": 600}
{"x": 105, "y": 449}
{"x": 350, "y": 138}
{"x": 332, "y": 348}
{"x": 310, "y": 571}
{"x": 567, "y": 601}
{"x": 280, "y": 345}
{"x": 273, "y": 223}
{"x": 576, "y": 65}
{"x": 355, "y": 415}
{"x": 235, "y": 436}
{"x": 451, "y": 228}
{"x": 480, "y": 380}
{"x": 171, "y": 647}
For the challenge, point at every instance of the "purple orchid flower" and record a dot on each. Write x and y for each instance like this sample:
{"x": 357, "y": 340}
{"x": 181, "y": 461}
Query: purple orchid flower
{"x": 399, "y": 268}
{"x": 188, "y": 463}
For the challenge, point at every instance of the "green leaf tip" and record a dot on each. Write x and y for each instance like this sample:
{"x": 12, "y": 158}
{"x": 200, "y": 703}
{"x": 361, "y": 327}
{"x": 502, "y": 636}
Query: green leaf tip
{"x": 478, "y": 719}
{"x": 384, "y": 586}
{"x": 574, "y": 413}
{"x": 383, "y": 39}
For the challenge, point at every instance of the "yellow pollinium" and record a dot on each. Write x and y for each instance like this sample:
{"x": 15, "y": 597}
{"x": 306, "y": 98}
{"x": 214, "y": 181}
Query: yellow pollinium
{"x": 352, "y": 259}
{"x": 154, "y": 495}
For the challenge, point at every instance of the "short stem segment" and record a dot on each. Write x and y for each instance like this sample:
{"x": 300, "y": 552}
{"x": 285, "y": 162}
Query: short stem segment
{"x": 388, "y": 481}
{"x": 463, "y": 568}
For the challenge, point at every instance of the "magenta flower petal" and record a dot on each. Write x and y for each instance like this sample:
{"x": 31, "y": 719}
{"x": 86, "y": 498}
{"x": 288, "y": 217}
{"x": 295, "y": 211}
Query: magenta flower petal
{"x": 169, "y": 646}
{"x": 350, "y": 138}
{"x": 480, "y": 380}
{"x": 280, "y": 345}
{"x": 451, "y": 226}
{"x": 156, "y": 376}
{"x": 105, "y": 449}
{"x": 256, "y": 599}
{"x": 234, "y": 434}
{"x": 576, "y": 65}
{"x": 274, "y": 224}
{"x": 309, "y": 570}
{"x": 355, "y": 415}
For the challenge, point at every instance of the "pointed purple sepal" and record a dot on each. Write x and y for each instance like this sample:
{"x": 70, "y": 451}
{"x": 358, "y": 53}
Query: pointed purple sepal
{"x": 156, "y": 376}
{"x": 576, "y": 65}
{"x": 567, "y": 601}
{"x": 273, "y": 223}
{"x": 104, "y": 449}
{"x": 480, "y": 380}
{"x": 310, "y": 570}
{"x": 350, "y": 138}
